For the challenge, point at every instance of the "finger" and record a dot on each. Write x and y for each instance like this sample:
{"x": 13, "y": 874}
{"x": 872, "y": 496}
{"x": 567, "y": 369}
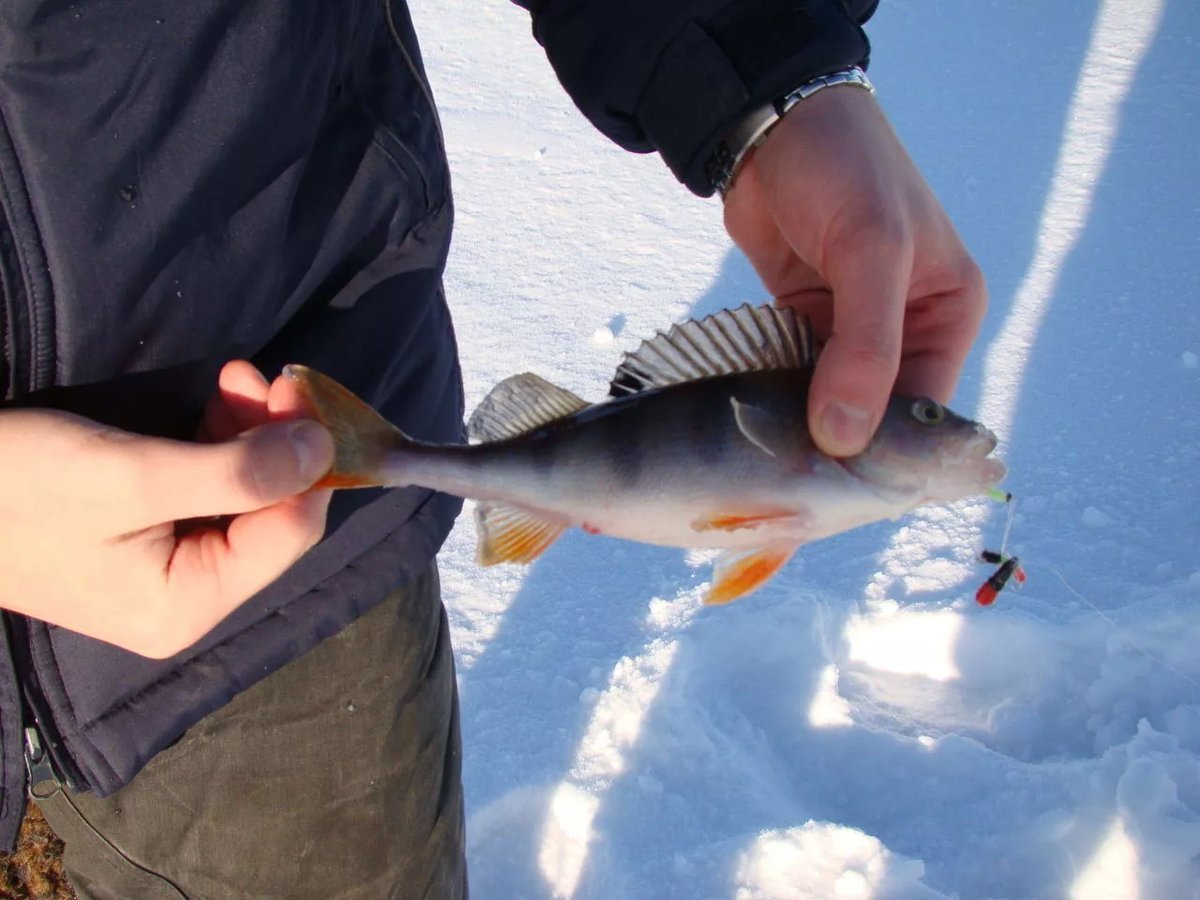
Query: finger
{"x": 171, "y": 480}
{"x": 815, "y": 305}
{"x": 212, "y": 573}
{"x": 753, "y": 227}
{"x": 216, "y": 424}
{"x": 932, "y": 374}
{"x": 939, "y": 333}
{"x": 244, "y": 390}
{"x": 857, "y": 368}
{"x": 941, "y": 327}
{"x": 286, "y": 401}
{"x": 793, "y": 283}
{"x": 239, "y": 404}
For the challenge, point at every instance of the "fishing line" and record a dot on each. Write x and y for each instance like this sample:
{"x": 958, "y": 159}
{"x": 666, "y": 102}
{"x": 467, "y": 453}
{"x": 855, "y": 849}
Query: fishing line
{"x": 1010, "y": 566}
{"x": 1012, "y": 514}
{"x": 1116, "y": 627}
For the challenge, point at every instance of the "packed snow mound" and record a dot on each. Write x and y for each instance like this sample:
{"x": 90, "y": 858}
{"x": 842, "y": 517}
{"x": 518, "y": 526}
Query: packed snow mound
{"x": 823, "y": 861}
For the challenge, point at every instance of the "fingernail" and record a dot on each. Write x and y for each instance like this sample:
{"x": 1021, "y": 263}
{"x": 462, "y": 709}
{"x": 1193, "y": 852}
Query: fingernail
{"x": 313, "y": 446}
{"x": 847, "y": 428}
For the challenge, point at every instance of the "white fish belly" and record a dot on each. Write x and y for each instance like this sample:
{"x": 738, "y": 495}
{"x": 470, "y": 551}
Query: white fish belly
{"x": 736, "y": 514}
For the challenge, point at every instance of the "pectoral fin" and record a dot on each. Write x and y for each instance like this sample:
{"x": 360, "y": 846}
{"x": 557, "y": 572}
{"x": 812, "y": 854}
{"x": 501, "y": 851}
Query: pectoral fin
{"x": 509, "y": 534}
{"x": 735, "y": 522}
{"x": 738, "y": 572}
{"x": 774, "y": 435}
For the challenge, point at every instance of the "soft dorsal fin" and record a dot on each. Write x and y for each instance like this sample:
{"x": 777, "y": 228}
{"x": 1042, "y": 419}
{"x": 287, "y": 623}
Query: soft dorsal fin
{"x": 518, "y": 404}
{"x": 746, "y": 339}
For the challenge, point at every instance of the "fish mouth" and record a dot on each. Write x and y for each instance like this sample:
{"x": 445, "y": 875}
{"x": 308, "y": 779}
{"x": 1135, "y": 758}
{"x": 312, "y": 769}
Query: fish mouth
{"x": 979, "y": 447}
{"x": 982, "y": 443}
{"x": 973, "y": 456}
{"x": 992, "y": 471}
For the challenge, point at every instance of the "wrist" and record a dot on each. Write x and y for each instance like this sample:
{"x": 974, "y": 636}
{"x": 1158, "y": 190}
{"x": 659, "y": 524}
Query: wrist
{"x": 726, "y": 160}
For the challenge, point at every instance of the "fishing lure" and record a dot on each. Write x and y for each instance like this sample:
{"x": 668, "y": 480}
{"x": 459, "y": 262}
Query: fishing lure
{"x": 1009, "y": 566}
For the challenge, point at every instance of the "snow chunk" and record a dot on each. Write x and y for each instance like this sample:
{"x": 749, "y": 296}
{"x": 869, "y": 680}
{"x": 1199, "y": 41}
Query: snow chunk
{"x": 567, "y": 835}
{"x": 907, "y": 643}
{"x": 534, "y": 840}
{"x": 1113, "y": 871}
{"x": 1094, "y": 518}
{"x": 602, "y": 336}
{"x": 823, "y": 860}
{"x": 606, "y": 334}
{"x": 829, "y": 708}
{"x": 1190, "y": 360}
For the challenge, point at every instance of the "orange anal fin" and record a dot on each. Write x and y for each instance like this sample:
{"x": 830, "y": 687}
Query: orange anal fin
{"x": 739, "y": 572}
{"x": 509, "y": 534}
{"x": 721, "y": 522}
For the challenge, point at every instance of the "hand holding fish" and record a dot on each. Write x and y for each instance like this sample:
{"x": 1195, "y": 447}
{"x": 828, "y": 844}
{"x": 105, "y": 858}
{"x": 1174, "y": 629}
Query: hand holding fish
{"x": 92, "y": 537}
{"x": 840, "y": 226}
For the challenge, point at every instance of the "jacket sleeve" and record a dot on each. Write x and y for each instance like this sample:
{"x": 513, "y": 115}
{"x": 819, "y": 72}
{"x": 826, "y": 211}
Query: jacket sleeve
{"x": 675, "y": 76}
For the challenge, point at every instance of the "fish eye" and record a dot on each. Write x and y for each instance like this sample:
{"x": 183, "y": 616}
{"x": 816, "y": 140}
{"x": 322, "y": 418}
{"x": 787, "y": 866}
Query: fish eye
{"x": 928, "y": 412}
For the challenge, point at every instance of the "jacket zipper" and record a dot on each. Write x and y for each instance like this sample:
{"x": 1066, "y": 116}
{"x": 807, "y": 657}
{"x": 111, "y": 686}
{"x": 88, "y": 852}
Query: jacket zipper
{"x": 46, "y": 758}
{"x": 43, "y": 780}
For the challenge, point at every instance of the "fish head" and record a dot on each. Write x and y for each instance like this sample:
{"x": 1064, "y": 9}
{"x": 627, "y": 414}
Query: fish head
{"x": 928, "y": 453}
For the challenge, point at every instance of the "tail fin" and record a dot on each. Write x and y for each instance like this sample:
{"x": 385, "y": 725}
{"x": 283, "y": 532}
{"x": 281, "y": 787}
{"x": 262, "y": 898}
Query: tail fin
{"x": 362, "y": 438}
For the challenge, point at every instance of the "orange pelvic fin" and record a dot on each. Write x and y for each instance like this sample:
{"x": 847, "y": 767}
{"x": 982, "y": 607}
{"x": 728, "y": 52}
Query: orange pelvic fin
{"x": 734, "y": 522}
{"x": 362, "y": 438}
{"x": 739, "y": 572}
{"x": 509, "y": 534}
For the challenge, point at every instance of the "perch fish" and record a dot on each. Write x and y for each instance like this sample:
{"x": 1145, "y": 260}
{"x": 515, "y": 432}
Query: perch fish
{"x": 703, "y": 442}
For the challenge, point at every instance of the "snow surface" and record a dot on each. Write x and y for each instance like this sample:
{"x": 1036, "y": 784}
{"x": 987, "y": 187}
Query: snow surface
{"x": 859, "y": 728}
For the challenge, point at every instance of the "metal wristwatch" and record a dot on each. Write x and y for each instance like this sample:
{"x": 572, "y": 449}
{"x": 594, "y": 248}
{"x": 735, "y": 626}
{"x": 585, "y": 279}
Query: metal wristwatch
{"x": 753, "y": 129}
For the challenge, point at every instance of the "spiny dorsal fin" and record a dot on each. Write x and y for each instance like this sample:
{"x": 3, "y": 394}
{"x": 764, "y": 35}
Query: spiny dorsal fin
{"x": 746, "y": 339}
{"x": 518, "y": 404}
{"x": 509, "y": 534}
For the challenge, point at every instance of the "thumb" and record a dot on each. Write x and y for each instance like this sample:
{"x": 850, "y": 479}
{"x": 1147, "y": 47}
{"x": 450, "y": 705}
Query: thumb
{"x": 255, "y": 470}
{"x": 856, "y": 370}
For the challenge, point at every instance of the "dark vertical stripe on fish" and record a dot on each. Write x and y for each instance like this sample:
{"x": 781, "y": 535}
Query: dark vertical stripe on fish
{"x": 706, "y": 432}
{"x": 625, "y": 439}
{"x": 543, "y": 455}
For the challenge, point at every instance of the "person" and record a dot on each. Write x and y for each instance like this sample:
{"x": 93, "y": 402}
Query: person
{"x": 224, "y": 684}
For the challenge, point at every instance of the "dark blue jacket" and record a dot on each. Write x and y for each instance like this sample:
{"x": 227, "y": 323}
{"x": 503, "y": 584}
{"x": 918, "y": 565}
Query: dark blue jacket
{"x": 186, "y": 183}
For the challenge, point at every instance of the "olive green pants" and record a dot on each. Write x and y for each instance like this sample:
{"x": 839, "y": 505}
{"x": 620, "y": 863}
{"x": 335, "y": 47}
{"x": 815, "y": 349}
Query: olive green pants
{"x": 339, "y": 776}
